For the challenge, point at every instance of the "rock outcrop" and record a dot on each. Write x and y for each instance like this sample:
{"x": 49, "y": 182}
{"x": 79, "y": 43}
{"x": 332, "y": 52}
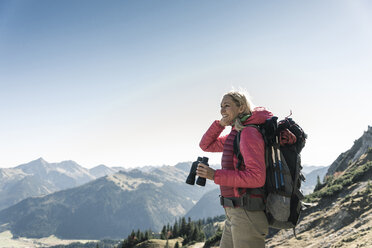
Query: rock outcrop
{"x": 360, "y": 147}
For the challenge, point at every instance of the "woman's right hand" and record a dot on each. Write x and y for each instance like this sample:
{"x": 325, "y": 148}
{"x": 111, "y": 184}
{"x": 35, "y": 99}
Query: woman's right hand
{"x": 224, "y": 122}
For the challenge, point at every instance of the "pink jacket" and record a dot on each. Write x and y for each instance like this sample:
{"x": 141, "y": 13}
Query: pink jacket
{"x": 252, "y": 148}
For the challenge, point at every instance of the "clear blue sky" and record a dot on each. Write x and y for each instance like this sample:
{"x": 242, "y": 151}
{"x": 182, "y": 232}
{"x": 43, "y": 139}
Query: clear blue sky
{"x": 132, "y": 83}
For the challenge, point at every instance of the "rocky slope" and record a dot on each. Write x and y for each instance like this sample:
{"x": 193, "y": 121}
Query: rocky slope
{"x": 342, "y": 215}
{"x": 360, "y": 147}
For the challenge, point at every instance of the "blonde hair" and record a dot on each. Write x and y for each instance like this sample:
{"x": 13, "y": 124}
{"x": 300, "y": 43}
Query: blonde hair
{"x": 240, "y": 99}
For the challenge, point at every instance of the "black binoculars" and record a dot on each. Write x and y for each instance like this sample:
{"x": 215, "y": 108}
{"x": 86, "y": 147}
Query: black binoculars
{"x": 191, "y": 177}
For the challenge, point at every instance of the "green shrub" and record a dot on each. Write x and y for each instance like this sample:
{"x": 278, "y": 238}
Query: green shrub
{"x": 334, "y": 185}
{"x": 212, "y": 241}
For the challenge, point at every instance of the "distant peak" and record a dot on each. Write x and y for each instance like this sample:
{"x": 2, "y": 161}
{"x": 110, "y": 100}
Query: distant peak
{"x": 369, "y": 130}
{"x": 100, "y": 167}
{"x": 69, "y": 162}
{"x": 40, "y": 160}
{"x": 368, "y": 134}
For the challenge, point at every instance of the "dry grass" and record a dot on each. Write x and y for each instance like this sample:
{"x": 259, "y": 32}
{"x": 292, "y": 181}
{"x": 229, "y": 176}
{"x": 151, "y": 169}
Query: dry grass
{"x": 159, "y": 243}
{"x": 7, "y": 241}
{"x": 346, "y": 223}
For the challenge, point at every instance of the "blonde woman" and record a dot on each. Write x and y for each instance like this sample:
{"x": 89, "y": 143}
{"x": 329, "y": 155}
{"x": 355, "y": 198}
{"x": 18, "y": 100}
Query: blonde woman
{"x": 241, "y": 194}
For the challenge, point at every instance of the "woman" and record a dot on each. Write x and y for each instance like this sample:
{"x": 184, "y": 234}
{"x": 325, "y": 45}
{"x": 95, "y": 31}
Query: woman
{"x": 246, "y": 225}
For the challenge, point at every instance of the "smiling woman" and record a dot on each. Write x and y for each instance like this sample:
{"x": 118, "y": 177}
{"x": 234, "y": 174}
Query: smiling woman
{"x": 246, "y": 224}
{"x": 235, "y": 104}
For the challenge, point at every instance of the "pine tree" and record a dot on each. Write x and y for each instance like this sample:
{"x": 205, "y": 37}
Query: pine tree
{"x": 180, "y": 226}
{"x": 133, "y": 238}
{"x": 209, "y": 220}
{"x": 201, "y": 235}
{"x": 130, "y": 241}
{"x": 194, "y": 235}
{"x": 183, "y": 226}
{"x": 200, "y": 224}
{"x": 170, "y": 232}
{"x": 185, "y": 241}
{"x": 132, "y": 234}
{"x": 318, "y": 185}
{"x": 177, "y": 245}
{"x": 189, "y": 228}
{"x": 175, "y": 230}
{"x": 163, "y": 232}
{"x": 138, "y": 235}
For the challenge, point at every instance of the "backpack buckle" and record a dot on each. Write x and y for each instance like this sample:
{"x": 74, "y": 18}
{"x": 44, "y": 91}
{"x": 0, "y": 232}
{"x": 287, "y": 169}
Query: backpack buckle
{"x": 243, "y": 200}
{"x": 226, "y": 202}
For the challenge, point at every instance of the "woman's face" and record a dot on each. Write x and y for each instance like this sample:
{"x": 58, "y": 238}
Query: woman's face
{"x": 229, "y": 109}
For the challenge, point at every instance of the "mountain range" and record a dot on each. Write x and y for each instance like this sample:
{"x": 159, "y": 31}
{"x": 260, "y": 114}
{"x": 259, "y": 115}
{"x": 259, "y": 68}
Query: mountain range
{"x": 108, "y": 207}
{"x": 39, "y": 177}
{"x": 69, "y": 201}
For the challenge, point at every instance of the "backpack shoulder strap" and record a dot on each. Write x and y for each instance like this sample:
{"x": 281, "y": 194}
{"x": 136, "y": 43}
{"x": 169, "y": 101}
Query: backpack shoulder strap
{"x": 240, "y": 158}
{"x": 237, "y": 145}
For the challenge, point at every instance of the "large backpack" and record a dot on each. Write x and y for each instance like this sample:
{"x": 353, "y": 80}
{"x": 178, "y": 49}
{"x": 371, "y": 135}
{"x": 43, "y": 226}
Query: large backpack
{"x": 284, "y": 141}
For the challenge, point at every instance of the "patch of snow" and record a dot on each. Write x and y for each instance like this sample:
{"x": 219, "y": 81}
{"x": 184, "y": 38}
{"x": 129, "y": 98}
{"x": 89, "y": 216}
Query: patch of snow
{"x": 128, "y": 183}
{"x": 177, "y": 211}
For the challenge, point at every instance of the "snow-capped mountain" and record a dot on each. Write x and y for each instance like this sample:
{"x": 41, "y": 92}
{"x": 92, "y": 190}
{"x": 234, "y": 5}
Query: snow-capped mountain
{"x": 38, "y": 178}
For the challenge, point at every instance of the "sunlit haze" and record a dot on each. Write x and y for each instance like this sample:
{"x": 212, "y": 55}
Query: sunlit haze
{"x": 134, "y": 83}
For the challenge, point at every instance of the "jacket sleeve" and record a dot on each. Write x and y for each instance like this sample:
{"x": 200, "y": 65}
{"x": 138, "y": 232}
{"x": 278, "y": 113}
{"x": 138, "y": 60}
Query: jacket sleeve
{"x": 211, "y": 142}
{"x": 253, "y": 175}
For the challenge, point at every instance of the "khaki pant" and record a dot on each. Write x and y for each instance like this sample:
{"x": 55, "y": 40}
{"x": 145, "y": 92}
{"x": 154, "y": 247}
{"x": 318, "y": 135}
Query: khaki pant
{"x": 244, "y": 229}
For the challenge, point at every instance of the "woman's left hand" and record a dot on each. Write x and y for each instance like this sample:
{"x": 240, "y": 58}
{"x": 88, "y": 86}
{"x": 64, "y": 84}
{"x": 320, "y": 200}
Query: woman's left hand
{"x": 205, "y": 171}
